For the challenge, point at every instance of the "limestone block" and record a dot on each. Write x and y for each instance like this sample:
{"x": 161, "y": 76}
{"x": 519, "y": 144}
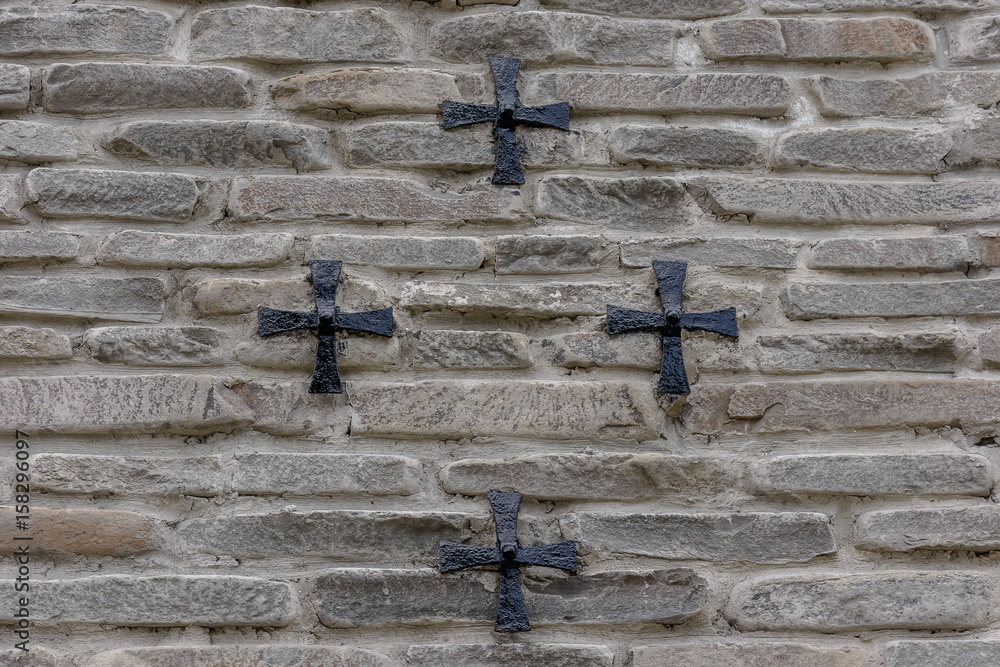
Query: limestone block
{"x": 509, "y": 655}
{"x": 686, "y": 146}
{"x": 129, "y": 299}
{"x": 929, "y": 353}
{"x": 644, "y": 203}
{"x": 736, "y": 252}
{"x": 649, "y": 9}
{"x": 748, "y": 654}
{"x": 400, "y": 252}
{"x": 242, "y": 656}
{"x": 14, "y": 87}
{"x": 28, "y": 343}
{"x": 919, "y": 94}
{"x": 326, "y": 474}
{"x": 155, "y": 346}
{"x": 548, "y": 254}
{"x": 145, "y": 196}
{"x": 965, "y": 652}
{"x": 35, "y": 142}
{"x": 81, "y": 531}
{"x": 808, "y": 301}
{"x": 879, "y": 150}
{"x": 971, "y": 528}
{"x": 924, "y": 254}
{"x": 470, "y": 350}
{"x": 186, "y": 251}
{"x": 25, "y": 246}
{"x": 90, "y": 29}
{"x": 127, "y": 475}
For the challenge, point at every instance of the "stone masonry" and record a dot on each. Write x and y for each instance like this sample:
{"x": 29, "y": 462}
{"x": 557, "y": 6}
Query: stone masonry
{"x": 823, "y": 498}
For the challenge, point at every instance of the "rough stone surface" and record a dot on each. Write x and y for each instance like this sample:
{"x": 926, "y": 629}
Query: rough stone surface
{"x": 976, "y": 145}
{"x": 909, "y": 600}
{"x": 298, "y": 352}
{"x": 470, "y": 350}
{"x": 14, "y": 87}
{"x": 127, "y": 475}
{"x": 975, "y": 39}
{"x": 873, "y": 474}
{"x": 818, "y": 353}
{"x": 974, "y": 528}
{"x": 35, "y": 657}
{"x": 10, "y": 198}
{"x": 74, "y": 193}
{"x": 649, "y": 9}
{"x": 645, "y": 203}
{"x": 35, "y": 142}
{"x": 395, "y": 252}
{"x": 686, "y": 146}
{"x": 752, "y": 537}
{"x": 182, "y": 404}
{"x": 794, "y": 6}
{"x": 555, "y": 37}
{"x": 160, "y": 601}
{"x": 186, "y": 251}
{"x": 736, "y": 252}
{"x": 640, "y": 350}
{"x": 18, "y": 246}
{"x": 288, "y": 35}
{"x": 232, "y": 296}
{"x": 128, "y": 299}
{"x": 104, "y": 87}
{"x": 924, "y": 254}
{"x": 989, "y": 249}
{"x": 589, "y": 476}
{"x": 326, "y": 474}
{"x": 86, "y": 29}
{"x": 748, "y": 654}
{"x": 920, "y": 94}
{"x": 81, "y": 531}
{"x": 362, "y": 597}
{"x": 548, "y": 254}
{"x": 528, "y": 409}
{"x": 509, "y": 655}
{"x": 807, "y": 301}
{"x": 537, "y": 300}
{"x": 285, "y": 408}
{"x": 989, "y": 349}
{"x": 965, "y": 652}
{"x": 155, "y": 346}
{"x": 28, "y": 343}
{"x": 242, "y": 656}
{"x": 868, "y": 149}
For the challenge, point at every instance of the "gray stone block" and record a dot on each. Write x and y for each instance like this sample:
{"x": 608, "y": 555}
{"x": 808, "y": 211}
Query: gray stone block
{"x": 924, "y": 652}
{"x": 649, "y": 9}
{"x": 809, "y": 301}
{"x": 735, "y": 252}
{"x": 128, "y": 475}
{"x": 919, "y": 94}
{"x": 286, "y": 408}
{"x": 297, "y": 351}
{"x": 686, "y": 146}
{"x": 187, "y": 251}
{"x": 127, "y": 195}
{"x": 18, "y": 246}
{"x": 11, "y": 198}
{"x": 795, "y": 6}
{"x": 35, "y": 657}
{"x": 644, "y": 203}
{"x": 34, "y": 143}
{"x": 817, "y": 353}
{"x": 509, "y": 655}
{"x": 127, "y": 299}
{"x": 470, "y": 350}
{"x": 972, "y": 528}
{"x": 326, "y": 474}
{"x": 924, "y": 254}
{"x": 28, "y": 343}
{"x": 242, "y": 656}
{"x": 548, "y": 254}
{"x": 400, "y": 252}
{"x": 974, "y": 40}
{"x": 155, "y": 346}
{"x": 748, "y": 654}
{"x": 87, "y": 29}
{"x": 879, "y": 150}
{"x": 14, "y": 87}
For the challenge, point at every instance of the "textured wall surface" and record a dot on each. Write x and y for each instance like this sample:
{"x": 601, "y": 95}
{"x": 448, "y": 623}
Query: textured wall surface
{"x": 824, "y": 497}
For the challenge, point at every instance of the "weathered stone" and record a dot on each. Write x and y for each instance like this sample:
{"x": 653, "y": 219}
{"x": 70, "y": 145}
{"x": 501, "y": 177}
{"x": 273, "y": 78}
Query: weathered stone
{"x": 340, "y": 535}
{"x": 187, "y": 251}
{"x": 879, "y": 150}
{"x": 410, "y": 144}
{"x": 182, "y": 404}
{"x": 361, "y": 597}
{"x": 850, "y": 602}
{"x": 763, "y": 95}
{"x": 919, "y": 94}
{"x": 223, "y": 143}
{"x": 81, "y": 531}
{"x": 288, "y": 35}
{"x": 242, "y": 656}
{"x": 127, "y": 299}
{"x": 326, "y": 474}
{"x": 976, "y": 144}
{"x": 232, "y": 296}
{"x": 649, "y": 9}
{"x": 748, "y": 654}
{"x": 155, "y": 346}
{"x": 975, "y": 39}
{"x": 964, "y": 652}
{"x": 35, "y": 142}
{"x": 686, "y": 146}
{"x": 754, "y": 537}
{"x": 924, "y": 254}
{"x": 127, "y": 475}
{"x": 286, "y": 408}
{"x": 639, "y": 350}
{"x": 509, "y": 655}
{"x": 104, "y": 87}
{"x": 276, "y": 198}
{"x": 873, "y": 474}
{"x": 400, "y": 252}
{"x": 90, "y": 29}
{"x": 818, "y": 353}
{"x": 37, "y": 246}
{"x": 547, "y": 38}
{"x": 72, "y": 193}
{"x": 14, "y": 87}
{"x": 470, "y": 350}
{"x": 881, "y": 39}
{"x": 589, "y": 476}
{"x": 644, "y": 203}
{"x": 989, "y": 348}
{"x": 769, "y": 200}
{"x": 548, "y": 254}
{"x": 376, "y": 89}
{"x": 161, "y": 601}
{"x": 795, "y": 6}
{"x": 297, "y": 351}
{"x": 839, "y": 405}
{"x": 807, "y": 301}
{"x": 466, "y": 409}
{"x": 10, "y": 197}
{"x": 751, "y": 252}
{"x": 988, "y": 246}
{"x": 975, "y": 528}
{"x": 27, "y": 343}
{"x": 35, "y": 657}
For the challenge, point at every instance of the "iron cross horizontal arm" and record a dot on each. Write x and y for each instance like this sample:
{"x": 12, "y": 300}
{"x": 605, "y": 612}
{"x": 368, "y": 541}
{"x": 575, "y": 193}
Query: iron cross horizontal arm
{"x": 509, "y": 555}
{"x": 506, "y": 115}
{"x": 327, "y": 320}
{"x": 670, "y": 277}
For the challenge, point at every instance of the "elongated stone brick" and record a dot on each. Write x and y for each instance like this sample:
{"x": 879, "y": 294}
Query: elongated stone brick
{"x": 919, "y": 94}
{"x": 908, "y": 600}
{"x": 242, "y": 656}
{"x": 930, "y": 353}
{"x": 509, "y": 655}
{"x": 934, "y": 253}
{"x": 127, "y": 299}
{"x": 645, "y": 203}
{"x": 974, "y": 528}
{"x": 686, "y": 146}
{"x": 28, "y": 343}
{"x": 640, "y": 350}
{"x": 868, "y": 149}
{"x": 89, "y": 29}
{"x": 401, "y": 252}
{"x": 18, "y": 246}
{"x": 751, "y": 252}
{"x": 187, "y": 251}
{"x": 232, "y": 296}
{"x": 975, "y": 39}
{"x": 297, "y": 351}
{"x": 548, "y": 254}
{"x": 748, "y": 654}
{"x": 286, "y": 408}
{"x": 795, "y": 6}
{"x": 35, "y": 142}
{"x": 466, "y": 409}
{"x": 14, "y": 87}
{"x": 81, "y": 531}
{"x": 807, "y": 301}
{"x": 182, "y": 404}
{"x": 965, "y": 652}
{"x": 127, "y": 475}
{"x": 326, "y": 474}
{"x": 161, "y": 601}
{"x": 650, "y": 9}
{"x": 471, "y": 350}
{"x": 155, "y": 346}
{"x": 10, "y": 198}
{"x": 70, "y": 193}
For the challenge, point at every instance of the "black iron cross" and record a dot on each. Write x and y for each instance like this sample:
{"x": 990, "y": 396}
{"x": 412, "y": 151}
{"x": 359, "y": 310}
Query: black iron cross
{"x": 670, "y": 276}
{"x": 327, "y": 320}
{"x": 509, "y": 555}
{"x": 506, "y": 116}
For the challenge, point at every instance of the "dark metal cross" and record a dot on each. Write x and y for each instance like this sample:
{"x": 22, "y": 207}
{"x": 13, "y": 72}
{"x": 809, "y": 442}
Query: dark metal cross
{"x": 327, "y": 320}
{"x": 506, "y": 116}
{"x": 509, "y": 555}
{"x": 670, "y": 276}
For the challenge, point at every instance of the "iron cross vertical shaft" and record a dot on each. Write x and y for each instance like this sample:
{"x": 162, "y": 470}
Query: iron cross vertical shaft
{"x": 327, "y": 320}
{"x": 512, "y": 616}
{"x": 670, "y": 278}
{"x": 506, "y": 116}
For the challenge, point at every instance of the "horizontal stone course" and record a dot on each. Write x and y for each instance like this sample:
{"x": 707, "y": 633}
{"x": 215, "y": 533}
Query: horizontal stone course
{"x": 903, "y": 96}
{"x": 650, "y": 9}
{"x": 470, "y": 350}
{"x": 15, "y": 81}
{"x": 87, "y": 29}
{"x": 808, "y": 301}
{"x": 644, "y": 203}
{"x": 32, "y": 246}
{"x": 155, "y": 346}
{"x": 400, "y": 252}
{"x": 28, "y": 343}
{"x": 242, "y": 656}
{"x": 686, "y": 146}
{"x": 965, "y": 652}
{"x": 127, "y": 475}
{"x": 870, "y": 149}
{"x": 970, "y": 528}
{"x": 818, "y": 353}
{"x": 81, "y": 531}
{"x": 537, "y": 254}
{"x": 232, "y": 296}
{"x": 924, "y": 254}
{"x": 734, "y": 252}
{"x": 34, "y": 143}
{"x": 748, "y": 654}
{"x": 509, "y": 655}
{"x": 126, "y": 195}
{"x": 792, "y": 6}
{"x": 297, "y": 351}
{"x": 325, "y": 474}
{"x": 186, "y": 251}
{"x": 127, "y": 299}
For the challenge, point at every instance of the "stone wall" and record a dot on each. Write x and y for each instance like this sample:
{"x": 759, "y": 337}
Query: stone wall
{"x": 823, "y": 498}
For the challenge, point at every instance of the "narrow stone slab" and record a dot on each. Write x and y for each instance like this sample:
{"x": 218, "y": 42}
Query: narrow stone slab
{"x": 850, "y": 602}
{"x": 155, "y": 346}
{"x": 400, "y": 252}
{"x": 81, "y": 531}
{"x": 28, "y": 343}
{"x": 15, "y": 83}
{"x": 364, "y": 597}
{"x": 71, "y": 193}
{"x": 973, "y": 40}
{"x": 873, "y": 474}
{"x": 187, "y": 251}
{"x": 686, "y": 146}
{"x": 35, "y": 657}
{"x": 974, "y": 528}
{"x": 232, "y": 296}
{"x": 543, "y": 300}
{"x": 590, "y": 476}
{"x": 158, "y": 602}
{"x": 795, "y": 6}
{"x": 640, "y": 350}
{"x": 35, "y": 142}
{"x": 90, "y": 29}
{"x": 10, "y": 198}
{"x": 924, "y": 254}
{"x": 808, "y": 301}
{"x": 576, "y": 253}
{"x": 754, "y": 537}
{"x": 645, "y": 203}
{"x": 298, "y": 352}
{"x": 748, "y": 654}
{"x": 182, "y": 404}
{"x": 286, "y": 408}
{"x": 879, "y": 150}
{"x": 241, "y": 656}
{"x": 471, "y": 350}
{"x": 326, "y": 474}
{"x": 771, "y": 200}
{"x": 275, "y": 198}
{"x": 929, "y": 353}
{"x": 750, "y": 252}
{"x": 509, "y": 655}
{"x": 649, "y": 9}
{"x": 127, "y": 299}
{"x": 964, "y": 652}
{"x": 24, "y": 246}
{"x": 919, "y": 94}
{"x": 127, "y": 475}
{"x": 466, "y": 409}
